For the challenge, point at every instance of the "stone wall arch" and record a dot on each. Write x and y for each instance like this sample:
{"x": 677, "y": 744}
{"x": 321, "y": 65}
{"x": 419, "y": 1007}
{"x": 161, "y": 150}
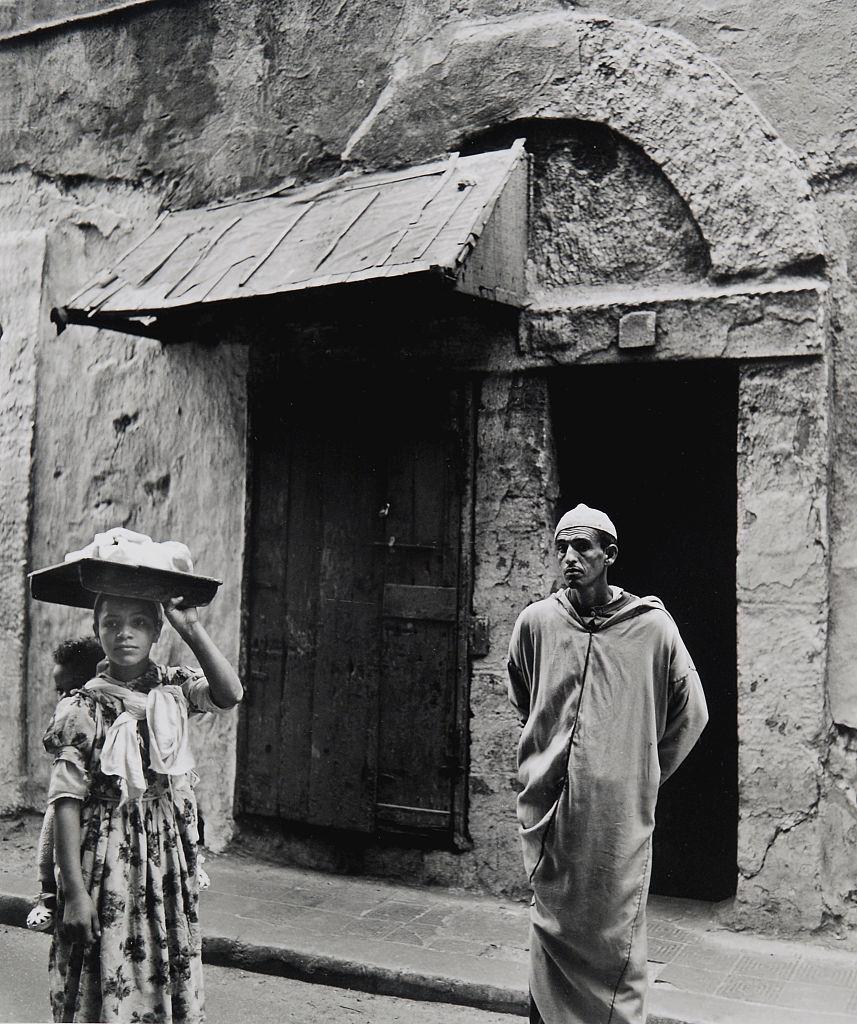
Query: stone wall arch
{"x": 741, "y": 182}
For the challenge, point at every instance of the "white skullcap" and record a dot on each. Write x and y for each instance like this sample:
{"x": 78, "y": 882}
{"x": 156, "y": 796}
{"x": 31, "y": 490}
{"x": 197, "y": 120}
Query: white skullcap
{"x": 583, "y": 515}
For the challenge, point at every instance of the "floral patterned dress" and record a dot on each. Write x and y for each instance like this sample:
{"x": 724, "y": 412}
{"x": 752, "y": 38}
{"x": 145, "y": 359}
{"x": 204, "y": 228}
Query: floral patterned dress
{"x": 139, "y": 866}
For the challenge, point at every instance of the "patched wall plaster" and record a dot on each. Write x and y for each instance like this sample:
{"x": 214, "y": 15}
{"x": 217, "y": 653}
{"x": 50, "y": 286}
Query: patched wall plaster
{"x": 22, "y": 267}
{"x": 517, "y": 490}
{"x": 152, "y": 439}
{"x": 783, "y": 719}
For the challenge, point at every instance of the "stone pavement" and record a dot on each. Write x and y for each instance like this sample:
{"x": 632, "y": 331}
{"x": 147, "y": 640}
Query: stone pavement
{"x": 433, "y": 944}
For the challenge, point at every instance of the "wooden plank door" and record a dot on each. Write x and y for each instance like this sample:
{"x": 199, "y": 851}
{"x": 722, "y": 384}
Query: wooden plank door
{"x": 420, "y": 755}
{"x": 283, "y": 568}
{"x": 356, "y": 599}
{"x": 344, "y": 725}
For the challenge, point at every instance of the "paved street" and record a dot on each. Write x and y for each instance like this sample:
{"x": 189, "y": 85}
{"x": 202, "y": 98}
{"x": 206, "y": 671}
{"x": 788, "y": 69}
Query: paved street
{"x": 231, "y": 995}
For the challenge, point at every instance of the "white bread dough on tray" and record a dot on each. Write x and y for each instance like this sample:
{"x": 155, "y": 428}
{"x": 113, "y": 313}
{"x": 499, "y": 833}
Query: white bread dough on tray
{"x": 129, "y": 548}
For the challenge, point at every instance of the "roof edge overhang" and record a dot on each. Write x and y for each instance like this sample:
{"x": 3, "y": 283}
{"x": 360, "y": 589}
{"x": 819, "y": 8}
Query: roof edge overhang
{"x": 462, "y": 220}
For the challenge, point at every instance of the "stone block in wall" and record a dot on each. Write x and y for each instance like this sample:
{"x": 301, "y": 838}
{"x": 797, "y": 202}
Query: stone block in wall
{"x": 695, "y": 321}
{"x": 515, "y": 507}
{"x": 782, "y": 569}
{"x": 838, "y": 824}
{"x": 785, "y": 893}
{"x": 839, "y": 208}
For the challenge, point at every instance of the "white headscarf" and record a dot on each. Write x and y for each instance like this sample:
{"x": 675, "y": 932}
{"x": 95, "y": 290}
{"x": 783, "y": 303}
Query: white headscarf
{"x": 165, "y": 710}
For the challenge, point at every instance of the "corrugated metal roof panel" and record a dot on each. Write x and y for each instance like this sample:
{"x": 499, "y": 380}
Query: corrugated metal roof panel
{"x": 350, "y": 228}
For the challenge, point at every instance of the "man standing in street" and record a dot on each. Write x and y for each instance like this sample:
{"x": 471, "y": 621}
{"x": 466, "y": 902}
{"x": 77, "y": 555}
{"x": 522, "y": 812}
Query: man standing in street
{"x": 610, "y": 704}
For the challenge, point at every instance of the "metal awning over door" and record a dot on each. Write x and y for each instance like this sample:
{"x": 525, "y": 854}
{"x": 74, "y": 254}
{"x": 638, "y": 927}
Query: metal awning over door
{"x": 463, "y": 218}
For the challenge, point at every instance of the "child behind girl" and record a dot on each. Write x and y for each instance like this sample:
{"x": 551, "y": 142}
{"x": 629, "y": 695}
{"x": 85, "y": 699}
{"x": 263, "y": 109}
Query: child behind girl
{"x": 125, "y": 822}
{"x": 75, "y": 663}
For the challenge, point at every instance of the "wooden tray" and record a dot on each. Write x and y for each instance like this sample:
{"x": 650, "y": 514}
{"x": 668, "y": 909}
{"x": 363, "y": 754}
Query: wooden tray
{"x": 78, "y": 583}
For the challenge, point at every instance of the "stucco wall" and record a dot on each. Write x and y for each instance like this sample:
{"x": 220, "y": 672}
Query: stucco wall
{"x": 22, "y": 266}
{"x": 603, "y": 213}
{"x": 152, "y": 439}
{"x": 517, "y": 490}
{"x": 838, "y": 201}
{"x": 108, "y": 101}
{"x": 123, "y": 432}
{"x": 783, "y": 719}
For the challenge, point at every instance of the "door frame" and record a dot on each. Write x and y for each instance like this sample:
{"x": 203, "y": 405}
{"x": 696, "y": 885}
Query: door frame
{"x": 461, "y": 788}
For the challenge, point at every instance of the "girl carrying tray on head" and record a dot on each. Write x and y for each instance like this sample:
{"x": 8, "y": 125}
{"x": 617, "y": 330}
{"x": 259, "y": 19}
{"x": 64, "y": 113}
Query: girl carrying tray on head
{"x": 128, "y": 945}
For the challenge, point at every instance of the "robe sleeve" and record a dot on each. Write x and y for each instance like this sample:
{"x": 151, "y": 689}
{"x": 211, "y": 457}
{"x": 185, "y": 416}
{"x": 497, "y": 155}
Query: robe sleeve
{"x": 195, "y": 687}
{"x": 687, "y": 712}
{"x": 520, "y": 670}
{"x": 70, "y": 737}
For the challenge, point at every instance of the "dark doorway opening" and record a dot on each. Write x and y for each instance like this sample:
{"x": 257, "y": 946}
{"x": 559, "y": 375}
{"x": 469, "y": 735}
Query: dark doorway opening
{"x": 655, "y": 446}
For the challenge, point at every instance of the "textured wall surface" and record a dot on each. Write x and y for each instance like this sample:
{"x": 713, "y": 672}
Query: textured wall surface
{"x": 604, "y": 213}
{"x": 151, "y": 439}
{"x": 788, "y": 319}
{"x": 649, "y": 85}
{"x": 839, "y": 202}
{"x": 105, "y": 99}
{"x": 784, "y": 723}
{"x": 517, "y": 490}
{"x": 22, "y": 266}
{"x": 792, "y": 58}
{"x": 265, "y": 90}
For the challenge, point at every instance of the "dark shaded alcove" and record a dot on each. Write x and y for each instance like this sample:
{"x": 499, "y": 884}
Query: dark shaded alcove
{"x": 655, "y": 447}
{"x": 603, "y": 212}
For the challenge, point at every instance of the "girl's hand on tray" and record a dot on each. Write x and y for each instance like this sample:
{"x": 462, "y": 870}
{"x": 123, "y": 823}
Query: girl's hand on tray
{"x": 183, "y": 620}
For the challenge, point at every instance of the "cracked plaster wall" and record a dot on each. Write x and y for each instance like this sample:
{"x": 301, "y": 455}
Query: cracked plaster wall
{"x": 839, "y": 203}
{"x": 517, "y": 490}
{"x": 838, "y": 807}
{"x": 22, "y": 265}
{"x": 651, "y": 86}
{"x": 209, "y": 97}
{"x": 602, "y": 212}
{"x": 126, "y": 433}
{"x": 783, "y": 717}
{"x": 152, "y": 439}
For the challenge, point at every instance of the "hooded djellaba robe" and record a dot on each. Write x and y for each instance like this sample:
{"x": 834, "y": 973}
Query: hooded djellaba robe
{"x": 610, "y": 706}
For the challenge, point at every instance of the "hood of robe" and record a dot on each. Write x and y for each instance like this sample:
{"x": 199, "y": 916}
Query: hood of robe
{"x": 636, "y": 606}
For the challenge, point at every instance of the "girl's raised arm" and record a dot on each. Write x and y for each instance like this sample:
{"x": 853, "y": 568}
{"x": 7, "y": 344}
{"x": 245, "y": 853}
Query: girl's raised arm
{"x": 224, "y": 684}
